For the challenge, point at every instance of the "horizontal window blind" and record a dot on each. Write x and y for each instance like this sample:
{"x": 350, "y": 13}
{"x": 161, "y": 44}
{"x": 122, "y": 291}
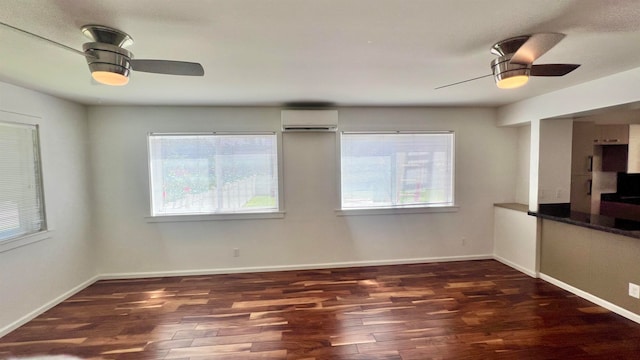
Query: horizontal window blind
{"x": 21, "y": 196}
{"x": 382, "y": 170}
{"x": 213, "y": 173}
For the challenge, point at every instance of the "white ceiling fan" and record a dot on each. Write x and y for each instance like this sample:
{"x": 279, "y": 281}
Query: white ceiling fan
{"x": 110, "y": 63}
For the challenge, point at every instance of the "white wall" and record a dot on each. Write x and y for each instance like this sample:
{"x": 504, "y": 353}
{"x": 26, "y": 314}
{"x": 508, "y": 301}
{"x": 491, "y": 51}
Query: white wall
{"x": 310, "y": 234}
{"x": 40, "y": 274}
{"x": 534, "y": 164}
{"x": 522, "y": 173}
{"x": 113, "y": 188}
{"x": 554, "y": 172}
{"x": 515, "y": 240}
{"x": 608, "y": 91}
{"x": 614, "y": 115}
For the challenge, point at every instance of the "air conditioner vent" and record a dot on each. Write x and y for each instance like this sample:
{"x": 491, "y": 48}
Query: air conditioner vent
{"x": 309, "y": 120}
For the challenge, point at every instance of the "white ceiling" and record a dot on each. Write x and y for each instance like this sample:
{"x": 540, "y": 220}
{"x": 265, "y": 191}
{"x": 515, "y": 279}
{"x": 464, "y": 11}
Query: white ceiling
{"x": 347, "y": 52}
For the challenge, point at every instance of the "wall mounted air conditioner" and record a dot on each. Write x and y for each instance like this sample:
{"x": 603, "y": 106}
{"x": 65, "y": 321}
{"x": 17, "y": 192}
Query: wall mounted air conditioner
{"x": 309, "y": 120}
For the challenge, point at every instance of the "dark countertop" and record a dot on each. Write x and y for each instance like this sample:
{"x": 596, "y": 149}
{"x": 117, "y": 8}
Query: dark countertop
{"x": 562, "y": 213}
{"x": 634, "y": 200}
{"x": 513, "y": 206}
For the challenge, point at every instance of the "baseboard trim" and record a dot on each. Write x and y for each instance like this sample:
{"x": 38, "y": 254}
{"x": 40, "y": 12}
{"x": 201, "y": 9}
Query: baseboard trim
{"x": 133, "y": 275}
{"x": 594, "y": 299}
{"x": 520, "y": 268}
{"x": 35, "y": 313}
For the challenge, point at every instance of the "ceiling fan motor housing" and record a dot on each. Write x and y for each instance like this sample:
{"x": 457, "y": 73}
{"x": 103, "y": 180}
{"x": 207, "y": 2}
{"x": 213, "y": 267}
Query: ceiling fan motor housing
{"x": 502, "y": 68}
{"x": 107, "y": 35}
{"x": 108, "y": 58}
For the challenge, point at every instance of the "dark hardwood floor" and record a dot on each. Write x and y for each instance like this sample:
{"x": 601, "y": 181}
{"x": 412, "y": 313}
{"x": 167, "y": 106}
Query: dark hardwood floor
{"x": 458, "y": 310}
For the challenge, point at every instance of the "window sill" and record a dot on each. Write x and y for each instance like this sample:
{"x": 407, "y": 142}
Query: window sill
{"x": 10, "y": 244}
{"x": 215, "y": 217}
{"x": 398, "y": 210}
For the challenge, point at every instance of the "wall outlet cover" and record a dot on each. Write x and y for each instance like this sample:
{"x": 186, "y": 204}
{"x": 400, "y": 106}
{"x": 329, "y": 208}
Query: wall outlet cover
{"x": 634, "y": 290}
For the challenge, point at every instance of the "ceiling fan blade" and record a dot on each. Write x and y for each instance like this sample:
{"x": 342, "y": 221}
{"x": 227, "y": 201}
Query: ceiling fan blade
{"x": 63, "y": 46}
{"x": 552, "y": 69}
{"x": 536, "y": 46}
{"x": 169, "y": 67}
{"x": 463, "y": 81}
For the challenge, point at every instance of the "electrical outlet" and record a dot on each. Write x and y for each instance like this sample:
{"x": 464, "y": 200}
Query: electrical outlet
{"x": 236, "y": 252}
{"x": 634, "y": 290}
{"x": 558, "y": 193}
{"x": 464, "y": 241}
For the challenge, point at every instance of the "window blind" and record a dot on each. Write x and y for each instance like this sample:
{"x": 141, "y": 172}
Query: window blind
{"x": 382, "y": 170}
{"x": 194, "y": 174}
{"x": 21, "y": 196}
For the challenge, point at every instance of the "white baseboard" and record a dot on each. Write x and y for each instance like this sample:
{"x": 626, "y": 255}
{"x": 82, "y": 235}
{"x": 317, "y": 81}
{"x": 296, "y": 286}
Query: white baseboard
{"x": 520, "y": 268}
{"x": 133, "y": 275}
{"x": 32, "y": 315}
{"x": 594, "y": 299}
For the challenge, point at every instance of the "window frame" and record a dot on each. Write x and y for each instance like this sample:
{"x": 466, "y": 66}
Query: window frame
{"x": 248, "y": 215}
{"x": 402, "y": 209}
{"x": 46, "y": 230}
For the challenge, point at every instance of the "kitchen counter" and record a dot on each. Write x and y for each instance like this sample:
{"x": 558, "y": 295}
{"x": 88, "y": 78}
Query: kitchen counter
{"x": 562, "y": 213}
{"x": 513, "y": 206}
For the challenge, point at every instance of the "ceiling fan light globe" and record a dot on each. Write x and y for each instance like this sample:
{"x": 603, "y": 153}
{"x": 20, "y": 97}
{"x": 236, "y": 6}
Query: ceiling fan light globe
{"x": 109, "y": 74}
{"x": 512, "y": 82}
{"x": 110, "y": 78}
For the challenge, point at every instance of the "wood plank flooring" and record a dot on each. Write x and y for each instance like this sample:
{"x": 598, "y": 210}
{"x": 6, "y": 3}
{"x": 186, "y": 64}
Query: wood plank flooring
{"x": 458, "y": 310}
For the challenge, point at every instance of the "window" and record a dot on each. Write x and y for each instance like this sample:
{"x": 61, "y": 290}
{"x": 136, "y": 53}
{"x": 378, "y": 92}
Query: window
{"x": 196, "y": 174}
{"x": 21, "y": 197}
{"x": 391, "y": 170}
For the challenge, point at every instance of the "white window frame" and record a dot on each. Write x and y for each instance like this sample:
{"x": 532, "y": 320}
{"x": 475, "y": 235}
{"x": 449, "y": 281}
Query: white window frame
{"x": 276, "y": 214}
{"x": 409, "y": 209}
{"x": 46, "y": 231}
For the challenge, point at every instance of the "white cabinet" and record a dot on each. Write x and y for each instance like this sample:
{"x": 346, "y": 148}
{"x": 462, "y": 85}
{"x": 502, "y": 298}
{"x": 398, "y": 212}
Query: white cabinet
{"x": 611, "y": 134}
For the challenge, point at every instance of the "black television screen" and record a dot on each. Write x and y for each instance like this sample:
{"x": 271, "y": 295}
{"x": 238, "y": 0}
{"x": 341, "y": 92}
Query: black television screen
{"x": 628, "y": 184}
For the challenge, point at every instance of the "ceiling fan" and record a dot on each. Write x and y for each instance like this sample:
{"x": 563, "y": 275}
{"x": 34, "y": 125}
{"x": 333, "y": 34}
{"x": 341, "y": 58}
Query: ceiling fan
{"x": 110, "y": 63}
{"x": 515, "y": 56}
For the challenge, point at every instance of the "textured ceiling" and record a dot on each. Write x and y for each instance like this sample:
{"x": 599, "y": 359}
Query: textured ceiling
{"x": 347, "y": 52}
